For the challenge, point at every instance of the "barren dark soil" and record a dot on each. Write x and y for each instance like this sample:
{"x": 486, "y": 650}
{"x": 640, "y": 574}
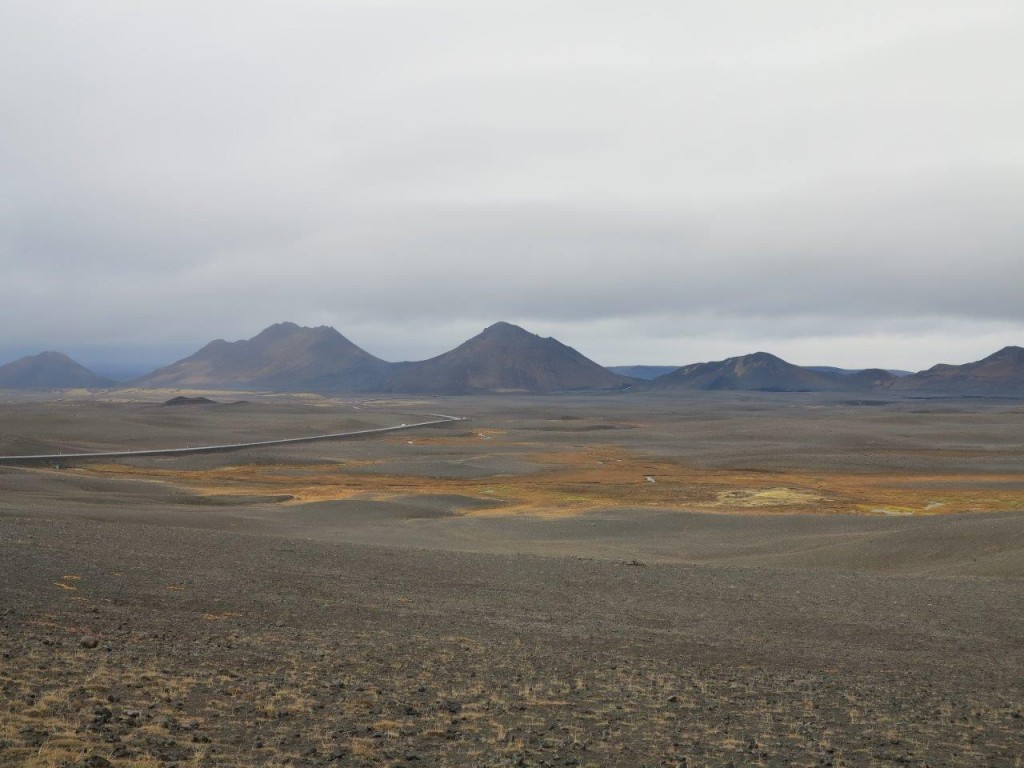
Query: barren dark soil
{"x": 371, "y": 604}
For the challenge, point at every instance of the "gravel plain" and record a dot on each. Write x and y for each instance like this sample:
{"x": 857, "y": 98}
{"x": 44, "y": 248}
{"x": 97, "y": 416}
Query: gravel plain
{"x": 369, "y": 603}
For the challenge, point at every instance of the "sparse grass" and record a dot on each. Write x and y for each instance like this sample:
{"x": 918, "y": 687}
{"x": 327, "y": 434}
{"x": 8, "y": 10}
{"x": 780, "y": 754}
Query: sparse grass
{"x": 602, "y": 476}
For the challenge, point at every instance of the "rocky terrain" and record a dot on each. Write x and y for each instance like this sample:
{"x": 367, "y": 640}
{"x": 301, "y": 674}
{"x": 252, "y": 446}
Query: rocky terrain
{"x": 577, "y": 580}
{"x": 165, "y": 645}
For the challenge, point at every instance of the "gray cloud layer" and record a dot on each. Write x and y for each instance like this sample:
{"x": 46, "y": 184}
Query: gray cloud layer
{"x": 655, "y": 182}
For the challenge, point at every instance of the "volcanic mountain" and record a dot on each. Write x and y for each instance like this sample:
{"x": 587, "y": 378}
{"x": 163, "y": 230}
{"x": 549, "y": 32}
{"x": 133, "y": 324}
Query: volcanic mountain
{"x": 1001, "y": 373}
{"x": 284, "y": 357}
{"x": 49, "y": 370}
{"x": 504, "y": 358}
{"x": 759, "y": 371}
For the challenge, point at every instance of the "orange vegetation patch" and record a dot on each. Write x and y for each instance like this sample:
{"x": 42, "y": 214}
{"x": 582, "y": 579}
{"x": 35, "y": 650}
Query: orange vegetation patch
{"x": 603, "y": 477}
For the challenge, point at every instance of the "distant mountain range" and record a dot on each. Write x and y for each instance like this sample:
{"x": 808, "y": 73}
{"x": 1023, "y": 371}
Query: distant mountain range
{"x": 503, "y": 358}
{"x": 49, "y": 370}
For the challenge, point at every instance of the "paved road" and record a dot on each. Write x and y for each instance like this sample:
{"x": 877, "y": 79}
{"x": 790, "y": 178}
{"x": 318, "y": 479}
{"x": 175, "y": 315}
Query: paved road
{"x": 439, "y": 418}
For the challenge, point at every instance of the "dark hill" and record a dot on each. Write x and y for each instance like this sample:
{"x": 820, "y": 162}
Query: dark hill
{"x": 645, "y": 372}
{"x": 759, "y": 371}
{"x": 504, "y": 358}
{"x": 1001, "y": 373}
{"x": 869, "y": 378}
{"x": 283, "y": 357}
{"x": 181, "y": 400}
{"x": 49, "y": 370}
{"x": 832, "y": 370}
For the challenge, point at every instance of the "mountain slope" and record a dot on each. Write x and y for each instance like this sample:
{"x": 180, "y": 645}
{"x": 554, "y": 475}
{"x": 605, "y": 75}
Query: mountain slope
{"x": 1001, "y": 373}
{"x": 284, "y": 356}
{"x": 49, "y": 370}
{"x": 504, "y": 358}
{"x": 759, "y": 371}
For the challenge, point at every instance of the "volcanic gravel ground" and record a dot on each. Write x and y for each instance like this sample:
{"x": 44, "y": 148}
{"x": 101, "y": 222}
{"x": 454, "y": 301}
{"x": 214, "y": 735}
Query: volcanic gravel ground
{"x": 147, "y": 623}
{"x": 222, "y": 648}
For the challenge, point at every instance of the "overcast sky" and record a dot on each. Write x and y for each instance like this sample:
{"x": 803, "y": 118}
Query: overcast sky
{"x": 650, "y": 182}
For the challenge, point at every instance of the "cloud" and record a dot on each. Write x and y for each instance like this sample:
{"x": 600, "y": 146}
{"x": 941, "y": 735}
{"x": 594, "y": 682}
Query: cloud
{"x": 669, "y": 172}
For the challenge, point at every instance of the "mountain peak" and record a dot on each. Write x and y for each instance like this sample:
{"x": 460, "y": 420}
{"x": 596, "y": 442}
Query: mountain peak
{"x": 283, "y": 356}
{"x": 504, "y": 330}
{"x": 759, "y": 371}
{"x": 51, "y": 356}
{"x": 505, "y": 358}
{"x": 49, "y": 370}
{"x": 288, "y": 329}
{"x": 1010, "y": 352}
{"x": 287, "y": 325}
